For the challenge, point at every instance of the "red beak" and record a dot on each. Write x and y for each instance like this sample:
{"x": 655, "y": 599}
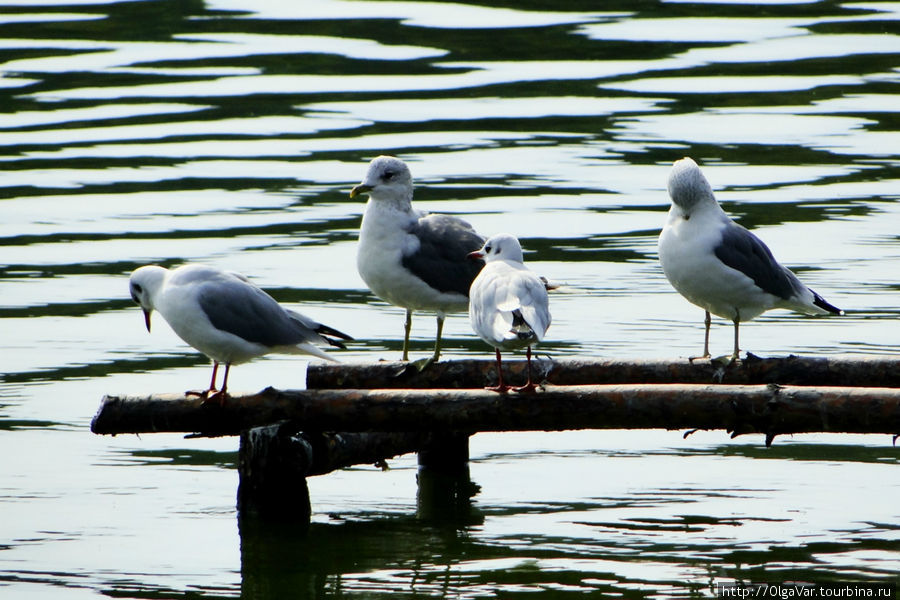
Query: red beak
{"x": 147, "y": 319}
{"x": 475, "y": 255}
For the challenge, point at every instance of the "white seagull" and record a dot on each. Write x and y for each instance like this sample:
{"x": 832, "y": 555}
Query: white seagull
{"x": 411, "y": 258}
{"x": 226, "y": 317}
{"x": 719, "y": 265}
{"x": 509, "y": 306}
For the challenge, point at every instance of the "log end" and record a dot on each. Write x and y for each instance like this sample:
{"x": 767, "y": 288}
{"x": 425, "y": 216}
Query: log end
{"x": 100, "y": 422}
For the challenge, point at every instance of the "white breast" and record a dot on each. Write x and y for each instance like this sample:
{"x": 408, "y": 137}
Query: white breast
{"x": 687, "y": 256}
{"x": 383, "y": 242}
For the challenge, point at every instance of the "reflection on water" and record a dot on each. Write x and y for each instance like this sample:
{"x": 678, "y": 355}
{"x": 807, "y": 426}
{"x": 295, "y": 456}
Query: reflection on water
{"x": 230, "y": 132}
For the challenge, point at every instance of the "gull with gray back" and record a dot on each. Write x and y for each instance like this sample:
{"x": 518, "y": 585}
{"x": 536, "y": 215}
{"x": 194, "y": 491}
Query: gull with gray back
{"x": 719, "y": 265}
{"x": 408, "y": 257}
{"x": 226, "y": 317}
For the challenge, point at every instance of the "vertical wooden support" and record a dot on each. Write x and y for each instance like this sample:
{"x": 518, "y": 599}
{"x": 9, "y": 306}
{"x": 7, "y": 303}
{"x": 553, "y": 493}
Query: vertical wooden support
{"x": 445, "y": 451}
{"x": 272, "y": 468}
{"x": 275, "y": 460}
{"x": 445, "y": 487}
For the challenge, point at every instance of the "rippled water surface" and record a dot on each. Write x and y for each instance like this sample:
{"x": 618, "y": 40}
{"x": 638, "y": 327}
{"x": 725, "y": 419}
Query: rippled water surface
{"x": 230, "y": 132}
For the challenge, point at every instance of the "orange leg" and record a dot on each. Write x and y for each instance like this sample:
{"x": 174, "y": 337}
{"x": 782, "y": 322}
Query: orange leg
{"x": 212, "y": 394}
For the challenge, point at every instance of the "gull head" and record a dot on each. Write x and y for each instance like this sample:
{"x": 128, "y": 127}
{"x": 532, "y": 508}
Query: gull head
{"x": 687, "y": 185}
{"x": 144, "y": 283}
{"x": 388, "y": 178}
{"x": 502, "y": 246}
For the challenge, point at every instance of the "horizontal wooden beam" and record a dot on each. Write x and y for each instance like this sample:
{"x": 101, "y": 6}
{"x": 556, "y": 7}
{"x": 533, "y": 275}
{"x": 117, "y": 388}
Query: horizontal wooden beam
{"x": 847, "y": 370}
{"x": 768, "y": 409}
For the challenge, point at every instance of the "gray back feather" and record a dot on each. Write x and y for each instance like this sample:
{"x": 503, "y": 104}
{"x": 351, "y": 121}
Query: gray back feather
{"x": 441, "y": 260}
{"x": 743, "y": 251}
{"x": 248, "y": 312}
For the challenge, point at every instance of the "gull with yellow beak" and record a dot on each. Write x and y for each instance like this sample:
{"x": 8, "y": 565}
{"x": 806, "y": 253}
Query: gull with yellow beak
{"x": 408, "y": 257}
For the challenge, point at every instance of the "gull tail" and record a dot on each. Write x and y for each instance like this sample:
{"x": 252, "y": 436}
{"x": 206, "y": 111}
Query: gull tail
{"x": 308, "y": 348}
{"x": 825, "y": 305}
{"x": 520, "y": 328}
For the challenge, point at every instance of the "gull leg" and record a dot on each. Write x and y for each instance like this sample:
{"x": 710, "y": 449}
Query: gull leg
{"x": 212, "y": 384}
{"x": 406, "y": 330}
{"x": 707, "y": 321}
{"x": 737, "y": 348}
{"x": 221, "y": 394}
{"x": 437, "y": 339}
{"x": 529, "y": 386}
{"x": 735, "y": 356}
{"x": 422, "y": 364}
{"x": 500, "y": 387}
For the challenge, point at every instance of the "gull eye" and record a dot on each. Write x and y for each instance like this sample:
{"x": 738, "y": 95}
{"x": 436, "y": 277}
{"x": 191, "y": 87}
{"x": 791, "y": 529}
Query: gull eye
{"x": 136, "y": 291}
{"x": 388, "y": 175}
{"x": 487, "y": 249}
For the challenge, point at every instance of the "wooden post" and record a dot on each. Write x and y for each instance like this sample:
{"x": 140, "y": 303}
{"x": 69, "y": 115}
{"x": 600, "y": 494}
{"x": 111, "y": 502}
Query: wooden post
{"x": 445, "y": 451}
{"x": 445, "y": 486}
{"x": 272, "y": 468}
{"x": 275, "y": 460}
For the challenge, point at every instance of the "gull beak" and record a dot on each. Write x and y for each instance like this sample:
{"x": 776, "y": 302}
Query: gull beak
{"x": 147, "y": 318}
{"x": 360, "y": 189}
{"x": 475, "y": 255}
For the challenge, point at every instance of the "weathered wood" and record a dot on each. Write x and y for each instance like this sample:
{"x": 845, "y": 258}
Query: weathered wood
{"x": 445, "y": 451}
{"x": 848, "y": 370}
{"x": 274, "y": 461}
{"x": 761, "y": 408}
{"x": 272, "y": 475}
{"x": 445, "y": 488}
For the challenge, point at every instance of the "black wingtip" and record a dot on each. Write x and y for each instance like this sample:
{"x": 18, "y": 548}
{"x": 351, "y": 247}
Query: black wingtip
{"x": 325, "y": 331}
{"x": 825, "y": 305}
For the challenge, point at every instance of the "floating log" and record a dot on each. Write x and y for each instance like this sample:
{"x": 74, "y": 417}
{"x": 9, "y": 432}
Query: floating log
{"x": 847, "y": 370}
{"x": 768, "y": 409}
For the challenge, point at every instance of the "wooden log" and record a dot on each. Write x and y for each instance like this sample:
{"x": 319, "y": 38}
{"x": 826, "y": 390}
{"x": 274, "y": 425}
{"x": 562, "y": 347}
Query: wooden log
{"x": 768, "y": 409}
{"x": 855, "y": 370}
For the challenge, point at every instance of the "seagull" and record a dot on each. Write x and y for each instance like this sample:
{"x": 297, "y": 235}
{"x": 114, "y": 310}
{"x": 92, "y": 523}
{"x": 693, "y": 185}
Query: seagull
{"x": 719, "y": 265}
{"x": 408, "y": 257}
{"x": 509, "y": 306}
{"x": 226, "y": 317}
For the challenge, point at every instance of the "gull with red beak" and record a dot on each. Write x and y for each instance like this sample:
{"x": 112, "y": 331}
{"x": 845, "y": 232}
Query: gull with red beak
{"x": 508, "y": 307}
{"x": 226, "y": 317}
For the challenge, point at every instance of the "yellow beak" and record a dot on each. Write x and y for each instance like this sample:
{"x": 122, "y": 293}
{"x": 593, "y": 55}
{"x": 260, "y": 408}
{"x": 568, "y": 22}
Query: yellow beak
{"x": 360, "y": 189}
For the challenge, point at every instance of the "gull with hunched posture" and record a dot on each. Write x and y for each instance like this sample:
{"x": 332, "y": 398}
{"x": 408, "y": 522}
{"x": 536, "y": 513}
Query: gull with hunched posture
{"x": 408, "y": 257}
{"x": 226, "y": 317}
{"x": 509, "y": 306}
{"x": 719, "y": 265}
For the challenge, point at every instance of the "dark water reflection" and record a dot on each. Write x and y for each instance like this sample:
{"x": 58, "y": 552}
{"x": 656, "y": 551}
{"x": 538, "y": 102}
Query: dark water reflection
{"x": 230, "y": 132}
